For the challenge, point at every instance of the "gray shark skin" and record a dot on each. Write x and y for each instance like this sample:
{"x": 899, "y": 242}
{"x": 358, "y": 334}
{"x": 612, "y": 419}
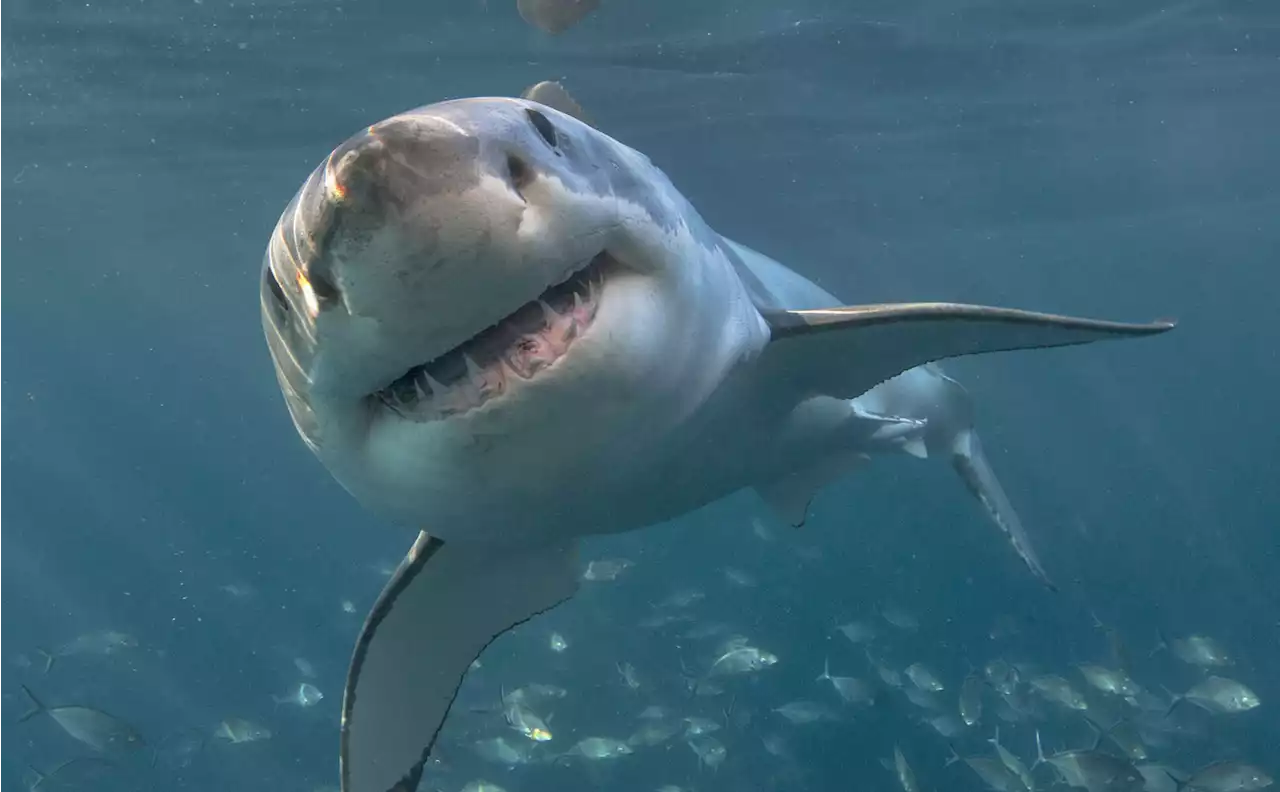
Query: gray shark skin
{"x": 502, "y": 328}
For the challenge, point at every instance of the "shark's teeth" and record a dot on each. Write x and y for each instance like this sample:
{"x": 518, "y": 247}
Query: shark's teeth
{"x": 516, "y": 349}
{"x": 437, "y": 388}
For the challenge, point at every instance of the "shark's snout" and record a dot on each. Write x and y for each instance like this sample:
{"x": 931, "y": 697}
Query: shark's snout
{"x": 400, "y": 161}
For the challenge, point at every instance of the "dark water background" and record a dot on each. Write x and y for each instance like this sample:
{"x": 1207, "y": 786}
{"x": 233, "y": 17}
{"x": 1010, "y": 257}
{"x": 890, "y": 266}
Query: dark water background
{"x": 1109, "y": 159}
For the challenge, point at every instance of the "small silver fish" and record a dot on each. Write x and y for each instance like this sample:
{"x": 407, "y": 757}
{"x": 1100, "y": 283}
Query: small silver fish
{"x": 850, "y": 689}
{"x": 597, "y": 748}
{"x": 923, "y": 677}
{"x": 802, "y": 712}
{"x": 743, "y": 660}
{"x": 98, "y": 730}
{"x": 1229, "y": 776}
{"x": 906, "y": 776}
{"x": 887, "y": 675}
{"x": 82, "y": 772}
{"x": 1059, "y": 691}
{"x": 1002, "y": 676}
{"x": 859, "y": 632}
{"x": 924, "y": 699}
{"x": 1093, "y": 770}
{"x": 98, "y": 642}
{"x": 1109, "y": 680}
{"x": 304, "y": 695}
{"x": 526, "y": 722}
{"x": 1220, "y": 695}
{"x": 1013, "y": 764}
{"x": 971, "y": 700}
{"x": 711, "y": 752}
{"x": 238, "y": 730}
{"x": 1198, "y": 650}
{"x": 557, "y": 643}
{"x": 696, "y": 726}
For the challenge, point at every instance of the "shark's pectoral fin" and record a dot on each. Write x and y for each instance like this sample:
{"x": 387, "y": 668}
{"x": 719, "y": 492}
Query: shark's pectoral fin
{"x": 442, "y": 606}
{"x": 789, "y": 497}
{"x": 849, "y": 350}
{"x": 969, "y": 461}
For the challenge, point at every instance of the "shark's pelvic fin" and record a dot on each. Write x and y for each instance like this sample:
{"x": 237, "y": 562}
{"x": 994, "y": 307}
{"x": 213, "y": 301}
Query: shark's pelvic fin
{"x": 789, "y": 497}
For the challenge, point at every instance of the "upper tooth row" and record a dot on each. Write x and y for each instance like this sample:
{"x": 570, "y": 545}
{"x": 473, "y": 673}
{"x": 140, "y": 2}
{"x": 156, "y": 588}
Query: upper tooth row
{"x": 476, "y": 374}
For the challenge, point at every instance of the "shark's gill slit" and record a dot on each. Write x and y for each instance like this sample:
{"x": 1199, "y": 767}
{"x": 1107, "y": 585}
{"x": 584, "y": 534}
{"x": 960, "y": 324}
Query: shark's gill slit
{"x": 517, "y": 348}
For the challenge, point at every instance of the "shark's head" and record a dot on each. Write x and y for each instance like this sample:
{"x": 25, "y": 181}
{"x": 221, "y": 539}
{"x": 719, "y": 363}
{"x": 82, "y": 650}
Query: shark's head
{"x": 473, "y": 303}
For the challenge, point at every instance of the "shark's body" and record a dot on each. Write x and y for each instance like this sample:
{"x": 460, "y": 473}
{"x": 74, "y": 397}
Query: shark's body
{"x": 495, "y": 323}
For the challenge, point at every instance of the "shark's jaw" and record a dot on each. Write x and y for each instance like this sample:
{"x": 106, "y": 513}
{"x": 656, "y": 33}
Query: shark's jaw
{"x": 503, "y": 357}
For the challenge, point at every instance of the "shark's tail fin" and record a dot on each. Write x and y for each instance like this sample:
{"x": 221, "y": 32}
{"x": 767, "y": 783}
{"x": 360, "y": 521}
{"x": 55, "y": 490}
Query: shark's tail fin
{"x": 826, "y": 670}
{"x": 49, "y": 658}
{"x": 1162, "y": 643}
{"x": 1039, "y": 752}
{"x": 971, "y": 463}
{"x": 36, "y": 706}
{"x": 1174, "y": 700}
{"x": 36, "y": 778}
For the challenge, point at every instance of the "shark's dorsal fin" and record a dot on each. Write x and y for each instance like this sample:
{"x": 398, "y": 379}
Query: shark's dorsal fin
{"x": 554, "y": 95}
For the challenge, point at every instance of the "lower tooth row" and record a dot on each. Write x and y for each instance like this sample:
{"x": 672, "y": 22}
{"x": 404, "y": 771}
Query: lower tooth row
{"x": 481, "y": 384}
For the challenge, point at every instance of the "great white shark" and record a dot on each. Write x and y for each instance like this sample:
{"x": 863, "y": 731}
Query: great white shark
{"x": 498, "y": 325}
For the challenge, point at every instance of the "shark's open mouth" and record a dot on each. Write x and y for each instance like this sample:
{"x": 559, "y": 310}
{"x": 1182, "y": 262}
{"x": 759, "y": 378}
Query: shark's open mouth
{"x": 517, "y": 348}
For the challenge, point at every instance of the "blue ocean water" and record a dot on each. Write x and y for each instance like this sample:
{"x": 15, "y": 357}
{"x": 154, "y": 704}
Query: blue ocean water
{"x": 1097, "y": 159}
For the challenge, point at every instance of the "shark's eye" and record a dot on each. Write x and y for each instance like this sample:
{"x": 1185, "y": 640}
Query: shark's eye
{"x": 543, "y": 125}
